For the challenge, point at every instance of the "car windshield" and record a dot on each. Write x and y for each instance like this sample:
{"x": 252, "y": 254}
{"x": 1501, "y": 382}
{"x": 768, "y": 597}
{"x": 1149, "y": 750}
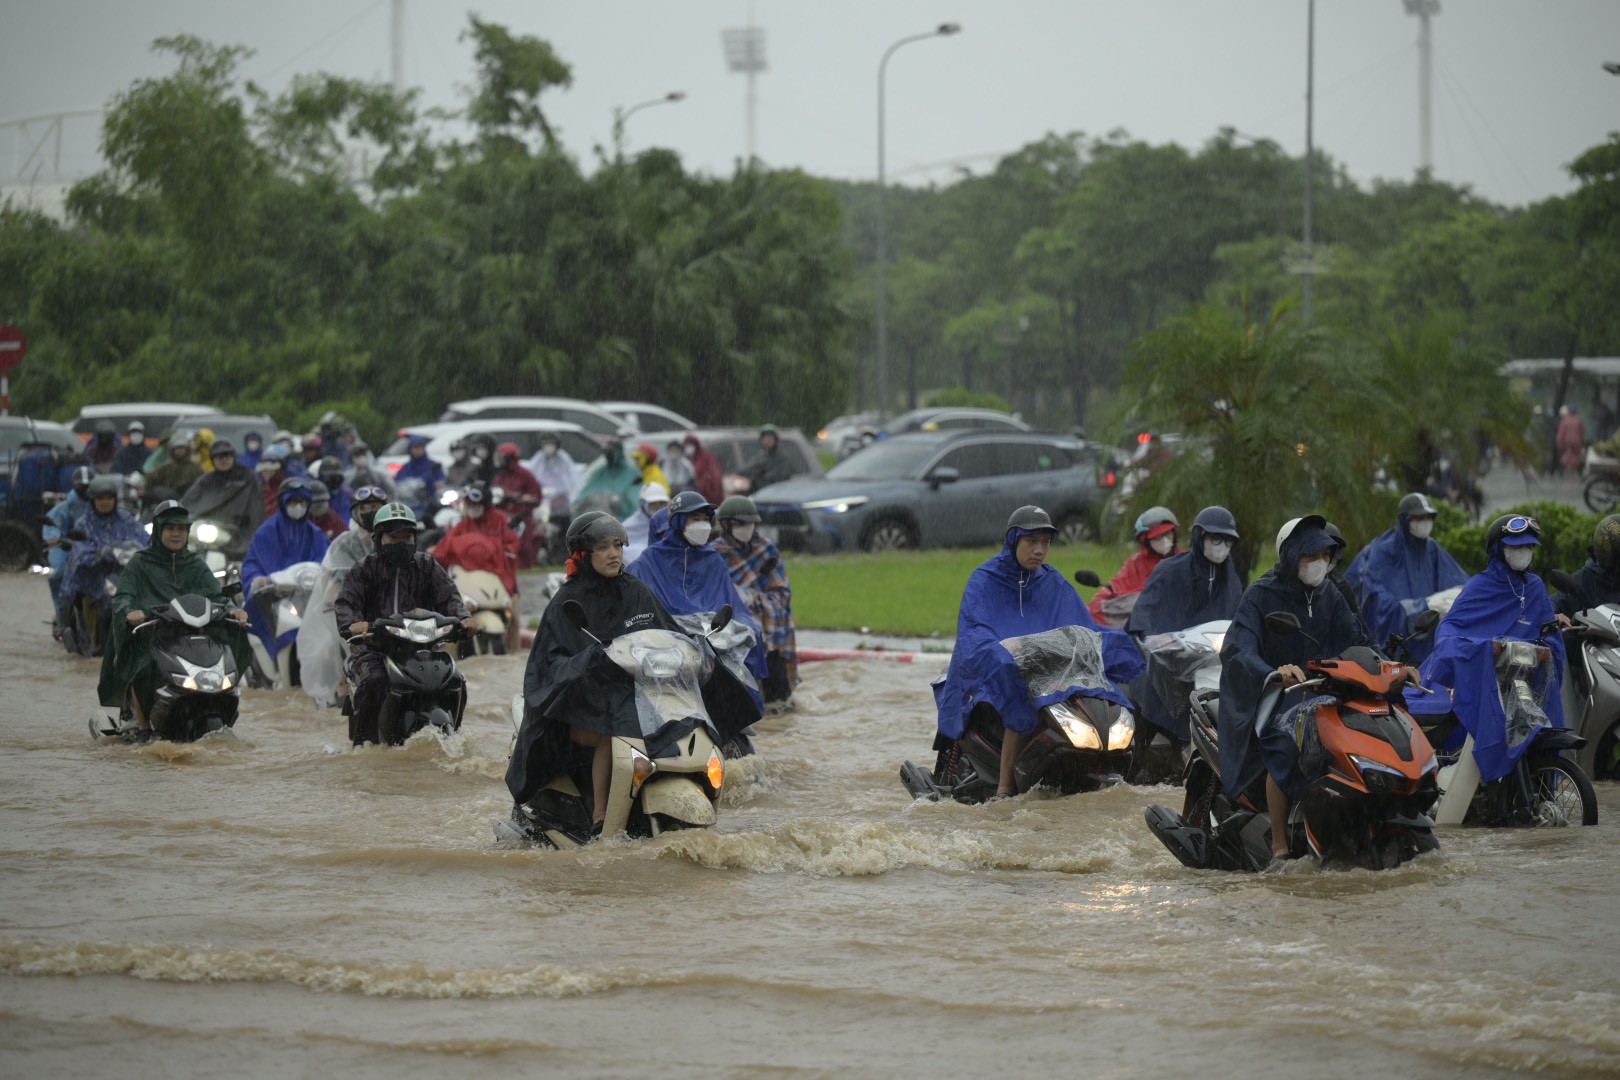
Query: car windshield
{"x": 883, "y": 461}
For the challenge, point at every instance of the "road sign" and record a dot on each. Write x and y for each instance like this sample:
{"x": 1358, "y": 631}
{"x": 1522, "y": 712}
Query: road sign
{"x": 13, "y": 346}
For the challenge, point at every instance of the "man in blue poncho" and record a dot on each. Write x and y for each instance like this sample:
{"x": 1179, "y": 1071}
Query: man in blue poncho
{"x": 1505, "y": 600}
{"x": 287, "y": 537}
{"x": 103, "y": 525}
{"x": 1252, "y": 655}
{"x": 1399, "y": 570}
{"x": 418, "y": 466}
{"x": 1014, "y": 594}
{"x": 688, "y": 575}
{"x": 63, "y": 519}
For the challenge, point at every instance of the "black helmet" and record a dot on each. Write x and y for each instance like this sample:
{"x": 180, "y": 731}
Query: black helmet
{"x": 1030, "y": 518}
{"x": 319, "y": 492}
{"x": 1519, "y": 528}
{"x": 81, "y": 479}
{"x": 689, "y": 502}
{"x": 1216, "y": 521}
{"x": 220, "y": 448}
{"x": 1606, "y": 543}
{"x": 330, "y": 466}
{"x": 102, "y": 485}
{"x": 1333, "y": 531}
{"x": 295, "y": 486}
{"x": 1416, "y": 504}
{"x": 593, "y": 527}
{"x": 170, "y": 512}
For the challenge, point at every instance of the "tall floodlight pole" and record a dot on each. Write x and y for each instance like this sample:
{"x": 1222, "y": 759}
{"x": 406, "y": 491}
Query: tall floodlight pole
{"x": 1310, "y": 150}
{"x": 942, "y": 30}
{"x": 1425, "y": 10}
{"x": 620, "y": 115}
{"x": 745, "y": 52}
{"x": 397, "y": 30}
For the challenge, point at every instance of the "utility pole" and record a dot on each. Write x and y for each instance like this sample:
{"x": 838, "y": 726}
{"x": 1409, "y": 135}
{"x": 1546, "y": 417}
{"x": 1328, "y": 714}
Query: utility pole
{"x": 1425, "y": 10}
{"x": 745, "y": 53}
{"x": 1310, "y": 150}
{"x": 397, "y": 32}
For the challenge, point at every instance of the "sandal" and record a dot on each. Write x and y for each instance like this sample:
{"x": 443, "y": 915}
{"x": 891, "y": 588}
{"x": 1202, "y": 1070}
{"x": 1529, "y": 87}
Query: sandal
{"x": 1001, "y": 796}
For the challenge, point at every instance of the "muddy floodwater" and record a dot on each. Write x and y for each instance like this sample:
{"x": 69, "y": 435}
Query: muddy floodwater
{"x": 277, "y": 904}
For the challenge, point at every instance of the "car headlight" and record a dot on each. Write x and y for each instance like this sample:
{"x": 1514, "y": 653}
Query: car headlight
{"x": 1081, "y": 732}
{"x": 836, "y": 506}
{"x": 1121, "y": 732}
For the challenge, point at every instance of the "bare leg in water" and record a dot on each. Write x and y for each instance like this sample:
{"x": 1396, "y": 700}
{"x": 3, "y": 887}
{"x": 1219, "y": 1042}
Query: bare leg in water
{"x": 1012, "y": 744}
{"x": 601, "y": 769}
{"x": 1277, "y": 808}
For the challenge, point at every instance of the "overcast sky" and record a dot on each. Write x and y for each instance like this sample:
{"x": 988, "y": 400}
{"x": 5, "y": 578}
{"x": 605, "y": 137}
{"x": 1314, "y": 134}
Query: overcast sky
{"x": 1519, "y": 89}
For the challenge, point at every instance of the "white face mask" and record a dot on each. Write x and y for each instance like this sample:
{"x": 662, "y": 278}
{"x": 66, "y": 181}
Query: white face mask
{"x": 691, "y": 451}
{"x": 360, "y": 461}
{"x": 1314, "y": 573}
{"x": 475, "y": 510}
{"x": 1216, "y": 551}
{"x": 297, "y": 510}
{"x": 743, "y": 532}
{"x": 1421, "y": 528}
{"x": 697, "y": 533}
{"x": 1518, "y": 558}
{"x": 1163, "y": 545}
{"x": 549, "y": 450}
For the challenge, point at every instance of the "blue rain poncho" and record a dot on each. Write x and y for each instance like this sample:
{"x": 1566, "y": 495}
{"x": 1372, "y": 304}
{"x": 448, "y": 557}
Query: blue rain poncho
{"x": 1394, "y": 575}
{"x": 279, "y": 543}
{"x": 1186, "y": 590}
{"x": 84, "y": 572}
{"x": 1497, "y": 602}
{"x": 1003, "y": 600}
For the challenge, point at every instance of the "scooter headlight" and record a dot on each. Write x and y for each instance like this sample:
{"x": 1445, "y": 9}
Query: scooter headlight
{"x": 207, "y": 533}
{"x": 1081, "y": 732}
{"x": 658, "y": 663}
{"x": 210, "y": 682}
{"x": 1121, "y": 732}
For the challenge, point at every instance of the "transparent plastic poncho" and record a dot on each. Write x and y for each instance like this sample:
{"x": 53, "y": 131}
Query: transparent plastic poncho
{"x": 668, "y": 669}
{"x": 1185, "y": 660}
{"x": 1054, "y": 661}
{"x": 1298, "y": 721}
{"x": 1523, "y": 677}
{"x": 731, "y": 645}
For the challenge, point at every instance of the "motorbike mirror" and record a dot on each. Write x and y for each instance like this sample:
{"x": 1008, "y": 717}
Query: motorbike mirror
{"x": 1282, "y": 622}
{"x": 1426, "y": 622}
{"x": 574, "y": 612}
{"x": 722, "y": 619}
{"x": 1088, "y": 578}
{"x": 1562, "y": 581}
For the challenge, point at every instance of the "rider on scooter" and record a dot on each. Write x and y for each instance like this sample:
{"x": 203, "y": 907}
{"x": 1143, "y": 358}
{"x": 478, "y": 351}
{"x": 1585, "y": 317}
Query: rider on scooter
{"x": 483, "y": 540}
{"x": 1156, "y": 530}
{"x": 395, "y": 578}
{"x": 1400, "y": 569}
{"x": 105, "y": 525}
{"x": 286, "y": 538}
{"x": 1598, "y": 582}
{"x": 1013, "y": 594}
{"x": 1200, "y": 585}
{"x": 1252, "y": 654}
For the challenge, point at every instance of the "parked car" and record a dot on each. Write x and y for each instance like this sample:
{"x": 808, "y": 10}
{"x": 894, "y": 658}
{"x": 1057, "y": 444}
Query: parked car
{"x": 938, "y": 419}
{"x": 223, "y": 426}
{"x": 593, "y": 418}
{"x": 736, "y": 447}
{"x": 37, "y": 457}
{"x": 937, "y": 489}
{"x": 158, "y": 416}
{"x": 644, "y": 417}
{"x": 849, "y": 426}
{"x": 581, "y": 445}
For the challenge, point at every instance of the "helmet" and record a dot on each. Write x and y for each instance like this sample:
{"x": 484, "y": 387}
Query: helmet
{"x": 1416, "y": 504}
{"x": 1516, "y": 527}
{"x": 646, "y": 454}
{"x": 1291, "y": 524}
{"x": 81, "y": 478}
{"x": 1029, "y": 519}
{"x": 170, "y": 512}
{"x": 220, "y": 448}
{"x": 771, "y": 430}
{"x": 1333, "y": 531}
{"x": 394, "y": 517}
{"x": 654, "y": 492}
{"x": 1606, "y": 543}
{"x": 283, "y": 435}
{"x": 295, "y": 486}
{"x": 106, "y": 427}
{"x": 179, "y": 439}
{"x": 252, "y": 436}
{"x": 136, "y": 425}
{"x": 1216, "y": 521}
{"x": 688, "y": 502}
{"x": 475, "y": 492}
{"x": 507, "y": 450}
{"x": 330, "y": 466}
{"x": 1154, "y": 522}
{"x": 591, "y": 528}
{"x": 103, "y": 485}
{"x": 738, "y": 508}
{"x": 319, "y": 492}
{"x": 311, "y": 441}
{"x": 415, "y": 441}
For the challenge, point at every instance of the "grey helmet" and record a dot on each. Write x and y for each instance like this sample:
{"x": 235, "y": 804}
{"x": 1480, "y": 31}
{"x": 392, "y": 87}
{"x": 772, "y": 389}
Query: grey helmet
{"x": 102, "y": 485}
{"x": 1030, "y": 518}
{"x": 81, "y": 479}
{"x": 593, "y": 527}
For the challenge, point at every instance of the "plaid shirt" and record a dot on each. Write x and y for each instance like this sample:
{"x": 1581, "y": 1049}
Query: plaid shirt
{"x": 757, "y": 571}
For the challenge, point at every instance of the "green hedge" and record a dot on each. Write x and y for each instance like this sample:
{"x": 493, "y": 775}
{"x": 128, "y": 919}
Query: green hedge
{"x": 1566, "y": 536}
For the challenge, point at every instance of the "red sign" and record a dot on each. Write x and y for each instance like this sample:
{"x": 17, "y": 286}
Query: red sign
{"x": 13, "y": 346}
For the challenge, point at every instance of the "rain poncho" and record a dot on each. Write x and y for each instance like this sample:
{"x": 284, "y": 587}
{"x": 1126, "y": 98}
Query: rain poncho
{"x": 172, "y": 478}
{"x": 85, "y": 570}
{"x": 1186, "y": 590}
{"x": 155, "y": 576}
{"x": 1497, "y": 602}
{"x": 63, "y": 518}
{"x": 249, "y": 459}
{"x": 1003, "y": 601}
{"x": 232, "y": 497}
{"x": 617, "y": 477}
{"x": 131, "y": 457}
{"x": 709, "y": 477}
{"x": 320, "y": 648}
{"x": 1112, "y": 604}
{"x": 766, "y": 468}
{"x": 559, "y": 476}
{"x": 687, "y": 579}
{"x": 1395, "y": 574}
{"x": 485, "y": 543}
{"x": 757, "y": 571}
{"x": 423, "y": 468}
{"x": 1594, "y": 585}
{"x": 636, "y": 528}
{"x": 279, "y": 543}
{"x": 1251, "y": 652}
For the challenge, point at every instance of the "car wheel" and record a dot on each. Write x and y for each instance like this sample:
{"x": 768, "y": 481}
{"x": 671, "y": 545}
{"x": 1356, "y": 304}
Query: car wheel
{"x": 1076, "y": 529}
{"x": 890, "y": 534}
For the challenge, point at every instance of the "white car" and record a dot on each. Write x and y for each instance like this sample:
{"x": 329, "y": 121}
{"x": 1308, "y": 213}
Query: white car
{"x": 645, "y": 417}
{"x": 592, "y": 418}
{"x": 158, "y": 416}
{"x": 581, "y": 445}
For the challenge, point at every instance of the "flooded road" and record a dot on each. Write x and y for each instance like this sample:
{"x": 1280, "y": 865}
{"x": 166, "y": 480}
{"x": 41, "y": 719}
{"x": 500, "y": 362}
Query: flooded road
{"x": 289, "y": 906}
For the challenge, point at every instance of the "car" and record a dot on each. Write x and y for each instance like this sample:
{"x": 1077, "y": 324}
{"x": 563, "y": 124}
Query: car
{"x": 645, "y": 417}
{"x": 581, "y": 445}
{"x": 850, "y": 426}
{"x": 158, "y": 416}
{"x": 16, "y": 431}
{"x": 37, "y": 458}
{"x": 939, "y": 418}
{"x": 224, "y": 426}
{"x": 593, "y": 418}
{"x": 735, "y": 447}
{"x": 937, "y": 489}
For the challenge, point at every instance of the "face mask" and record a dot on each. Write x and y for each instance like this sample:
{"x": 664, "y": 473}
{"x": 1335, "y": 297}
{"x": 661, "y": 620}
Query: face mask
{"x": 364, "y": 518}
{"x": 1518, "y": 558}
{"x": 549, "y": 450}
{"x": 461, "y": 455}
{"x": 253, "y": 446}
{"x": 1162, "y": 545}
{"x": 691, "y": 451}
{"x": 399, "y": 554}
{"x": 743, "y": 533}
{"x": 1314, "y": 574}
{"x": 697, "y": 533}
{"x": 361, "y": 461}
{"x": 1216, "y": 551}
{"x": 297, "y": 510}
{"x": 1420, "y": 530}
{"x": 475, "y": 510}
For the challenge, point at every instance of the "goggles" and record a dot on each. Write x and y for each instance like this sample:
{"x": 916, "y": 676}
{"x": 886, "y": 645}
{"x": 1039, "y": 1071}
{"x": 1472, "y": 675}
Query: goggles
{"x": 296, "y": 484}
{"x": 472, "y": 495}
{"x": 1518, "y": 525}
{"x": 370, "y": 494}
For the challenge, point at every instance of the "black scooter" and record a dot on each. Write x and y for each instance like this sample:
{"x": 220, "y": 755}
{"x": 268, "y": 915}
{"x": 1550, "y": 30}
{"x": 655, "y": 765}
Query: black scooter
{"x": 85, "y": 623}
{"x": 424, "y": 686}
{"x": 198, "y": 685}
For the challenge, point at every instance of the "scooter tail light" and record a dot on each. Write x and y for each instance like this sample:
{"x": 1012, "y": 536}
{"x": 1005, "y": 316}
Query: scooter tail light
{"x": 641, "y": 767}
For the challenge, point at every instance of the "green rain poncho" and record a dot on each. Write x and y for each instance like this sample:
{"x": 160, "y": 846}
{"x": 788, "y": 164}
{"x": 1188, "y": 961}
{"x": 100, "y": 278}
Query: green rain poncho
{"x": 155, "y": 576}
{"x": 617, "y": 477}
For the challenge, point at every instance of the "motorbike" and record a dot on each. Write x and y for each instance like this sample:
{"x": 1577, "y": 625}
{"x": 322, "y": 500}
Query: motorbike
{"x": 1545, "y": 787}
{"x": 1591, "y": 686}
{"x": 1081, "y": 743}
{"x": 283, "y": 603}
{"x": 424, "y": 686}
{"x": 86, "y": 623}
{"x": 1180, "y": 664}
{"x": 198, "y": 686}
{"x": 668, "y": 778}
{"x": 1374, "y": 774}
{"x": 489, "y": 602}
{"x": 735, "y": 689}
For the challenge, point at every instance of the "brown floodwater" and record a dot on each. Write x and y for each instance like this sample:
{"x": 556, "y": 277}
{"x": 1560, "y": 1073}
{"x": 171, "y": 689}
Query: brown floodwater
{"x": 278, "y": 904}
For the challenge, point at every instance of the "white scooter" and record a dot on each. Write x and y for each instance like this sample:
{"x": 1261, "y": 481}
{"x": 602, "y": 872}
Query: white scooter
{"x": 283, "y": 602}
{"x": 489, "y": 602}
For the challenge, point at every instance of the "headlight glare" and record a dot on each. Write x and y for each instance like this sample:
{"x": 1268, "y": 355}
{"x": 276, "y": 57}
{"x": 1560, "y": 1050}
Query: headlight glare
{"x": 1122, "y": 731}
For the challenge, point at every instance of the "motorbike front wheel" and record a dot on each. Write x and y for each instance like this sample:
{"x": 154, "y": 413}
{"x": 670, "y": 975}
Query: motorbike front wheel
{"x": 1560, "y": 794}
{"x": 1602, "y": 493}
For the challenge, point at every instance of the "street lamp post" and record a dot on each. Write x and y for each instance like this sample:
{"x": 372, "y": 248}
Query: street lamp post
{"x": 620, "y": 115}
{"x": 942, "y": 30}
{"x": 1227, "y": 131}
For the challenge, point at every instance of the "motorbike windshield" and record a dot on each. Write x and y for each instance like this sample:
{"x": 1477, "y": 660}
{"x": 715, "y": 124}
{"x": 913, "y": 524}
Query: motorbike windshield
{"x": 731, "y": 645}
{"x": 1174, "y": 660}
{"x": 668, "y": 672}
{"x": 1524, "y": 679}
{"x": 1053, "y": 661}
